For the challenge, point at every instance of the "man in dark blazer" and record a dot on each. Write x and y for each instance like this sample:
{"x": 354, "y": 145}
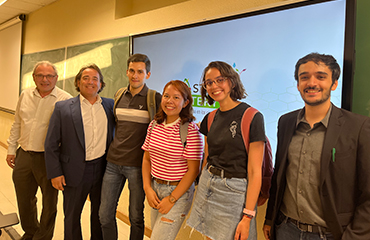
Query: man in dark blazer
{"x": 321, "y": 184}
{"x": 80, "y": 132}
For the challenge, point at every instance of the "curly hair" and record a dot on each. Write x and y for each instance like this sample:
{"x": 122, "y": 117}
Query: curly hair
{"x": 237, "y": 88}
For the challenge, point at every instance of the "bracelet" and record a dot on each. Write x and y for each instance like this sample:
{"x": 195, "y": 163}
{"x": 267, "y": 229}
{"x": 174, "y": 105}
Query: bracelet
{"x": 172, "y": 198}
{"x": 249, "y": 212}
{"x": 248, "y": 216}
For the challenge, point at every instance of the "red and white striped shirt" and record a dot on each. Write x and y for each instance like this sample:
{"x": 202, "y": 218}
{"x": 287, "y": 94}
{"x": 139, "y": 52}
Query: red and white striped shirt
{"x": 167, "y": 155}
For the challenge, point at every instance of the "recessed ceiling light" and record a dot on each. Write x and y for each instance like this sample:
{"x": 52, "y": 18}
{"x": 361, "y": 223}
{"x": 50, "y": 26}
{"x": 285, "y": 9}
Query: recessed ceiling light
{"x": 2, "y": 2}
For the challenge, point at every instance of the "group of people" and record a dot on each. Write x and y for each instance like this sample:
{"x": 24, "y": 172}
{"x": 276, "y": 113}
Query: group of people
{"x": 90, "y": 145}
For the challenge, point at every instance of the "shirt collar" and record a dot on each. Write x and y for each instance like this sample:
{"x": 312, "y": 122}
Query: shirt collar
{"x": 143, "y": 91}
{"x": 53, "y": 92}
{"x": 171, "y": 124}
{"x": 324, "y": 121}
{"x": 83, "y": 99}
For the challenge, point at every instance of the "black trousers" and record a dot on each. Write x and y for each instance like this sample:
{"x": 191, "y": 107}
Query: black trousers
{"x": 29, "y": 174}
{"x": 75, "y": 198}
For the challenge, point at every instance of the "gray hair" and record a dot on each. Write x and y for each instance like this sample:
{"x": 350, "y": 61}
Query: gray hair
{"x": 47, "y": 63}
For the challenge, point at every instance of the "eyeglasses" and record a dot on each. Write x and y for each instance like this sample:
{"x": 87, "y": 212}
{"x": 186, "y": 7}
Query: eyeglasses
{"x": 41, "y": 77}
{"x": 218, "y": 81}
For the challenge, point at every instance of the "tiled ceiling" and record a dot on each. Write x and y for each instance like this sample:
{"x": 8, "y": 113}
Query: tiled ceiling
{"x": 13, "y": 8}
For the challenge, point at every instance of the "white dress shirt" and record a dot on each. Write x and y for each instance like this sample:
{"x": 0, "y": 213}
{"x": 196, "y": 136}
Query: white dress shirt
{"x": 95, "y": 123}
{"x": 32, "y": 119}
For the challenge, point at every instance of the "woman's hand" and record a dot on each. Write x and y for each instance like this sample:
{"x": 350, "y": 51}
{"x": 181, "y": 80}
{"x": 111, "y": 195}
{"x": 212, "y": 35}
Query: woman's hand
{"x": 242, "y": 230}
{"x": 165, "y": 205}
{"x": 152, "y": 198}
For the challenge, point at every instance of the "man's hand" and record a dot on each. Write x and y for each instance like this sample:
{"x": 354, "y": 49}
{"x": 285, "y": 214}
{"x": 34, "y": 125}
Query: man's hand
{"x": 266, "y": 231}
{"x": 10, "y": 160}
{"x": 58, "y": 182}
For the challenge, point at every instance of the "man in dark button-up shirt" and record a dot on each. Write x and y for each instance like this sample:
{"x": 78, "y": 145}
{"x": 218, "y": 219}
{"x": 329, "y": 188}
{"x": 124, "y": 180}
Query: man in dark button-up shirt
{"x": 321, "y": 184}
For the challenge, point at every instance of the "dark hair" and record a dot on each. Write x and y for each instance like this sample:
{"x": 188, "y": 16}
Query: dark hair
{"x": 138, "y": 57}
{"x": 237, "y": 89}
{"x": 96, "y": 68}
{"x": 328, "y": 60}
{"x": 186, "y": 113}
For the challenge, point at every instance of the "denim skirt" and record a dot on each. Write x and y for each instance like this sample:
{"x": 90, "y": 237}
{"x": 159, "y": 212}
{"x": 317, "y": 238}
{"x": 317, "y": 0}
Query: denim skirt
{"x": 218, "y": 207}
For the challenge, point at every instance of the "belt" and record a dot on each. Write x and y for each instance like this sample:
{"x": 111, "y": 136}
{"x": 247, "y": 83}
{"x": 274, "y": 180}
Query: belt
{"x": 96, "y": 160}
{"x": 160, "y": 181}
{"x": 33, "y": 152}
{"x": 308, "y": 227}
{"x": 30, "y": 152}
{"x": 218, "y": 171}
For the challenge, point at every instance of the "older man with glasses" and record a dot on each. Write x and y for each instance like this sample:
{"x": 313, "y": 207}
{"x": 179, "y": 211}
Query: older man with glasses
{"x": 26, "y": 152}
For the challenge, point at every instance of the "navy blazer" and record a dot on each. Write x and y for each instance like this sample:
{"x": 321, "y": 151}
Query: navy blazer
{"x": 344, "y": 181}
{"x": 65, "y": 141}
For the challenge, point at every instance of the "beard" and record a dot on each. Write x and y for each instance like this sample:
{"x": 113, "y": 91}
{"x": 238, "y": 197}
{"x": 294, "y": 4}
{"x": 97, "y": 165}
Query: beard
{"x": 325, "y": 97}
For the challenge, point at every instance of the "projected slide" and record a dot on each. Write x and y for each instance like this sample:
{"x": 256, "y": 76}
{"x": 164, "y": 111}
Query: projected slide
{"x": 262, "y": 48}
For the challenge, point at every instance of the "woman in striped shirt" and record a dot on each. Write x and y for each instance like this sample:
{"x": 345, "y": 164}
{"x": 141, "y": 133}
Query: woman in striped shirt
{"x": 170, "y": 166}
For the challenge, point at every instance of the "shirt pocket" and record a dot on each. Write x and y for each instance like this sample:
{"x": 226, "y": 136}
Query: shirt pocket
{"x": 342, "y": 157}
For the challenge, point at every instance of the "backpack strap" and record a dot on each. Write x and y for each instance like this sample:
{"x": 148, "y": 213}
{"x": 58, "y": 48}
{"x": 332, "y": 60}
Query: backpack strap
{"x": 150, "y": 101}
{"x": 117, "y": 97}
{"x": 153, "y": 125}
{"x": 184, "y": 133}
{"x": 247, "y": 118}
{"x": 267, "y": 165}
{"x": 119, "y": 92}
{"x": 211, "y": 117}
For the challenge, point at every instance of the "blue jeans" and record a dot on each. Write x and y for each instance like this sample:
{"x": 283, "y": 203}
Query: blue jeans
{"x": 113, "y": 182}
{"x": 288, "y": 231}
{"x": 167, "y": 230}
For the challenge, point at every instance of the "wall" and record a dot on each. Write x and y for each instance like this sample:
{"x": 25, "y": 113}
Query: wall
{"x": 69, "y": 22}
{"x": 361, "y": 85}
{"x": 6, "y": 121}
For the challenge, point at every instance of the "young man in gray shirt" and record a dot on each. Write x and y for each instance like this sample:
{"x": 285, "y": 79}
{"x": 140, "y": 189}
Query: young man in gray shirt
{"x": 125, "y": 154}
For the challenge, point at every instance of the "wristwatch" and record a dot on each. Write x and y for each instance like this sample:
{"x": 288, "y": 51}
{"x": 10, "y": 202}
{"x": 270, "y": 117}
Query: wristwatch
{"x": 172, "y": 198}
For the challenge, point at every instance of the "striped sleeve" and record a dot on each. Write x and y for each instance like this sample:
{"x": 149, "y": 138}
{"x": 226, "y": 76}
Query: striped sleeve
{"x": 194, "y": 143}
